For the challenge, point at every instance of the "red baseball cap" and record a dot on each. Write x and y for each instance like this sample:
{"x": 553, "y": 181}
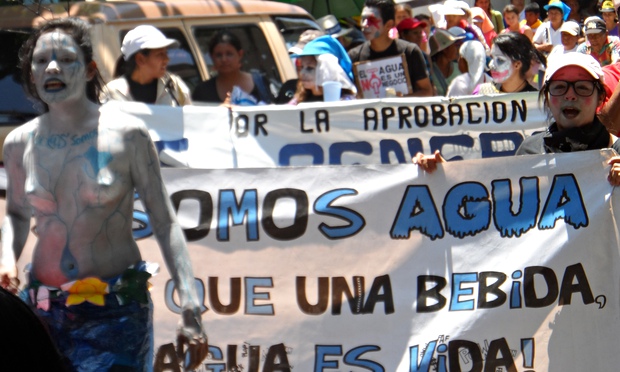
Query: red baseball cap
{"x": 410, "y": 24}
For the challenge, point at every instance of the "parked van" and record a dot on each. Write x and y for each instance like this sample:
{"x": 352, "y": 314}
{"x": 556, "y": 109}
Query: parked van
{"x": 266, "y": 29}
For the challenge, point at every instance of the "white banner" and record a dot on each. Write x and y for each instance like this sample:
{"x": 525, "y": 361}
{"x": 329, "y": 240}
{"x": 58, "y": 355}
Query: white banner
{"x": 191, "y": 136}
{"x": 379, "y": 131}
{"x": 386, "y": 131}
{"x": 477, "y": 267}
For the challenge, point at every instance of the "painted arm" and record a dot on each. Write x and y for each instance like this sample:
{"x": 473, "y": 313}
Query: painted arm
{"x": 149, "y": 184}
{"x": 16, "y": 224}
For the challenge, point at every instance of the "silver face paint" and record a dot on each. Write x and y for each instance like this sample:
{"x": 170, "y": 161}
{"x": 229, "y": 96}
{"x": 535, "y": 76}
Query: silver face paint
{"x": 58, "y": 69}
{"x": 501, "y": 65}
{"x": 372, "y": 23}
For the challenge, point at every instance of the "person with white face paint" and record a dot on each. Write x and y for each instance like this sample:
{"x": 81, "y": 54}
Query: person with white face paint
{"x": 377, "y": 20}
{"x": 323, "y": 59}
{"x": 511, "y": 57}
{"x": 471, "y": 64}
{"x": 75, "y": 168}
{"x": 572, "y": 92}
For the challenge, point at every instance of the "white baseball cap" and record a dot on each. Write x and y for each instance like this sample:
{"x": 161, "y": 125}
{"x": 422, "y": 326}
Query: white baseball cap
{"x": 570, "y": 27}
{"x": 145, "y": 37}
{"x": 585, "y": 61}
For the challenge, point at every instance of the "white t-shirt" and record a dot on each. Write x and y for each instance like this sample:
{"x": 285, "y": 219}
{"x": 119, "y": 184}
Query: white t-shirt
{"x": 546, "y": 34}
{"x": 559, "y": 49}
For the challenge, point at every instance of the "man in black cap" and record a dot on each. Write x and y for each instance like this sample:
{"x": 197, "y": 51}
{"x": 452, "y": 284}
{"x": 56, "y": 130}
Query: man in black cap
{"x": 600, "y": 45}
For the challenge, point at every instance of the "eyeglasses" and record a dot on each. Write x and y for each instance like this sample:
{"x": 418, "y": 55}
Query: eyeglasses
{"x": 583, "y": 88}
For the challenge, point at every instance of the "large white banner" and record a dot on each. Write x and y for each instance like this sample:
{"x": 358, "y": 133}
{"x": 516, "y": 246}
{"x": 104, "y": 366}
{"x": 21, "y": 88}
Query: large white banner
{"x": 379, "y": 131}
{"x": 483, "y": 265}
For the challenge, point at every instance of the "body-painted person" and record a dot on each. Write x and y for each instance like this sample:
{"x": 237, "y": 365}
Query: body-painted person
{"x": 75, "y": 168}
{"x": 572, "y": 91}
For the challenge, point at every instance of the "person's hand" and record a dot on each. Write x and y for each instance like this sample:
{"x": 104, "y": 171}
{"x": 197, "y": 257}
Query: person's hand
{"x": 428, "y": 162}
{"x": 9, "y": 280}
{"x": 614, "y": 172}
{"x": 192, "y": 345}
{"x": 228, "y": 101}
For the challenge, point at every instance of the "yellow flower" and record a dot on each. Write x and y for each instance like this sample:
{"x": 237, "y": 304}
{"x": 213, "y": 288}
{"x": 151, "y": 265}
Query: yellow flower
{"x": 87, "y": 289}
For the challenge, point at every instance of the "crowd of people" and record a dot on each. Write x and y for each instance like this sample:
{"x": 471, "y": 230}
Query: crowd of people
{"x": 517, "y": 42}
{"x": 81, "y": 194}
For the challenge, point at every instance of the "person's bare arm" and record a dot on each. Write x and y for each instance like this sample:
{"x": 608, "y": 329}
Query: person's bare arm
{"x": 614, "y": 172}
{"x": 149, "y": 184}
{"x": 428, "y": 162}
{"x": 609, "y": 114}
{"x": 16, "y": 224}
{"x": 424, "y": 88}
{"x": 545, "y": 48}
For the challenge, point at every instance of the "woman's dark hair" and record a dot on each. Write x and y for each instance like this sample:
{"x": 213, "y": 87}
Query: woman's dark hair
{"x": 79, "y": 31}
{"x": 518, "y": 47}
{"x": 127, "y": 67}
{"x": 224, "y": 37}
{"x": 510, "y": 9}
{"x": 387, "y": 8}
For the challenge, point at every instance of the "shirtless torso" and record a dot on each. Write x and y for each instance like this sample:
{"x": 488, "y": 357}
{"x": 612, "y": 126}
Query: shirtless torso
{"x": 79, "y": 185}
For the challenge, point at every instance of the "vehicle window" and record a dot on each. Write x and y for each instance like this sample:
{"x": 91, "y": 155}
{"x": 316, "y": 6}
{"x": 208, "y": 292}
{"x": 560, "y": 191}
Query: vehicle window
{"x": 257, "y": 54}
{"x": 291, "y": 28}
{"x": 182, "y": 62}
{"x": 14, "y": 104}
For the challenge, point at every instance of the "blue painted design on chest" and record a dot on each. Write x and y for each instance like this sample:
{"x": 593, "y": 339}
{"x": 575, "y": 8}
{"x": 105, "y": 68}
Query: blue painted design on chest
{"x": 97, "y": 159}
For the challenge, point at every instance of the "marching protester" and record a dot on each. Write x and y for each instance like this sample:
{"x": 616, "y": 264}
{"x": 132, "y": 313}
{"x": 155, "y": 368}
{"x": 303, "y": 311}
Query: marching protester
{"x": 511, "y": 58}
{"x": 548, "y": 34}
{"x": 323, "y": 59}
{"x": 532, "y": 17}
{"x": 572, "y": 92}
{"x": 444, "y": 53}
{"x": 471, "y": 64}
{"x": 495, "y": 16}
{"x": 402, "y": 12}
{"x": 610, "y": 17}
{"x": 144, "y": 75}
{"x": 570, "y": 38}
{"x": 377, "y": 20}
{"x": 605, "y": 49}
{"x": 287, "y": 90}
{"x": 480, "y": 19}
{"x": 348, "y": 36}
{"x": 76, "y": 169}
{"x": 412, "y": 30}
{"x": 227, "y": 54}
{"x": 511, "y": 15}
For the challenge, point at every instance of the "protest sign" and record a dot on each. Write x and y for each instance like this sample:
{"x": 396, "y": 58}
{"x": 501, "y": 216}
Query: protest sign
{"x": 373, "y": 78}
